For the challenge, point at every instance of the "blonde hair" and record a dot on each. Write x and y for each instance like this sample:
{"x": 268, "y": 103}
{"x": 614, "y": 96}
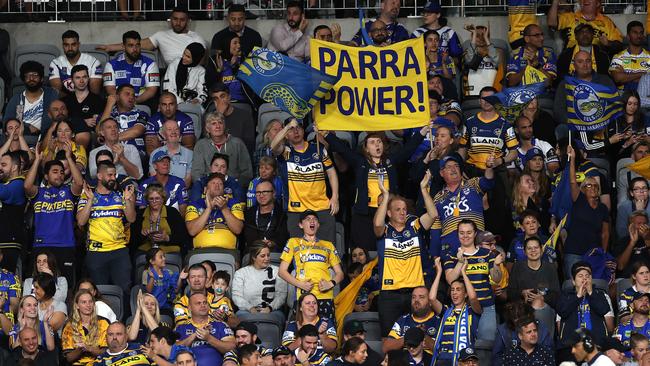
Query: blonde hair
{"x": 518, "y": 201}
{"x": 156, "y": 314}
{"x": 212, "y": 116}
{"x": 155, "y": 188}
{"x": 36, "y": 326}
{"x": 265, "y": 139}
{"x": 92, "y": 337}
{"x": 591, "y": 180}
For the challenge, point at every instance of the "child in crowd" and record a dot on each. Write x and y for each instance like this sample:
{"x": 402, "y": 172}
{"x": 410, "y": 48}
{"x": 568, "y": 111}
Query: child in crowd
{"x": 161, "y": 282}
{"x": 529, "y": 221}
{"x": 222, "y": 303}
{"x": 210, "y": 269}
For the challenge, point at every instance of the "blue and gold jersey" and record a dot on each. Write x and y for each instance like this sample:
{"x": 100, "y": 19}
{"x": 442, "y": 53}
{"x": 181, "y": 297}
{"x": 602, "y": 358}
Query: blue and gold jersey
{"x": 304, "y": 175}
{"x": 545, "y": 57}
{"x": 448, "y": 334}
{"x": 312, "y": 261}
{"x": 631, "y": 64}
{"x": 483, "y": 138}
{"x": 291, "y": 331}
{"x": 205, "y": 353}
{"x": 234, "y": 358}
{"x": 400, "y": 256}
{"x": 479, "y": 265}
{"x": 9, "y": 288}
{"x": 54, "y": 219}
{"x": 520, "y": 14}
{"x": 602, "y": 24}
{"x": 466, "y": 202}
{"x": 429, "y": 324}
{"x": 107, "y": 223}
{"x": 319, "y": 357}
{"x": 216, "y": 233}
{"x": 131, "y": 356}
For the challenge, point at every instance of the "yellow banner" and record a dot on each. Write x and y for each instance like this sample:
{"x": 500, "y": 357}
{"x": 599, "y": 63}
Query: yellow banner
{"x": 532, "y": 76}
{"x": 379, "y": 88}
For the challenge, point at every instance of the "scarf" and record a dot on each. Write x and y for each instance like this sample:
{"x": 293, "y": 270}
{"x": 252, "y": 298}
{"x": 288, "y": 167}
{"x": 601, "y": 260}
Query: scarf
{"x": 584, "y": 314}
{"x": 197, "y": 51}
{"x": 462, "y": 334}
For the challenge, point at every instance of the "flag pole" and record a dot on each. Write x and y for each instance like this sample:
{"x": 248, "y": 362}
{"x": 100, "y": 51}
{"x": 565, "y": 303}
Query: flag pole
{"x": 430, "y": 136}
{"x": 569, "y": 157}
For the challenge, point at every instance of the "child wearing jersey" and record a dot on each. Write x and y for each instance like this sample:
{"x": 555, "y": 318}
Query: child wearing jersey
{"x": 160, "y": 281}
{"x": 222, "y": 305}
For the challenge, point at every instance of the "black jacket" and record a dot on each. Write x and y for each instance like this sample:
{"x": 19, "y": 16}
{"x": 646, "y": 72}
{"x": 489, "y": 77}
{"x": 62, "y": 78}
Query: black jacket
{"x": 566, "y": 309}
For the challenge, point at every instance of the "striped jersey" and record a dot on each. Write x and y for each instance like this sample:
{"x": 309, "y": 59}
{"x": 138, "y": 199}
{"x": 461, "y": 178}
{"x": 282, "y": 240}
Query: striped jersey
{"x": 602, "y": 24}
{"x": 174, "y": 188}
{"x": 449, "y": 41}
{"x": 631, "y": 64}
{"x": 142, "y": 74}
{"x": 54, "y": 217}
{"x": 312, "y": 261}
{"x": 291, "y": 332}
{"x": 10, "y": 287}
{"x": 429, "y": 325}
{"x": 234, "y": 358}
{"x": 61, "y": 68}
{"x": 399, "y": 252}
{"x": 216, "y": 233}
{"x": 107, "y": 223}
{"x": 520, "y": 14}
{"x": 479, "y": 265}
{"x": 547, "y": 61}
{"x": 483, "y": 138}
{"x": 129, "y": 119}
{"x": 131, "y": 356}
{"x": 304, "y": 175}
{"x": 205, "y": 353}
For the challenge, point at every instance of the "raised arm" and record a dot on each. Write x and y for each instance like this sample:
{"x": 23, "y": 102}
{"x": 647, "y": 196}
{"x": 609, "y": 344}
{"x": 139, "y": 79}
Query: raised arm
{"x": 551, "y": 18}
{"x": 426, "y": 220}
{"x": 379, "y": 221}
{"x": 575, "y": 189}
{"x": 277, "y": 145}
{"x": 31, "y": 187}
{"x": 433, "y": 292}
{"x": 471, "y": 293}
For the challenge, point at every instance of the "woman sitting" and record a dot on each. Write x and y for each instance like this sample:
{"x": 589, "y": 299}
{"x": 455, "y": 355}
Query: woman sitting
{"x": 145, "y": 319}
{"x": 50, "y": 310}
{"x": 185, "y": 77}
{"x": 354, "y": 352}
{"x": 307, "y": 313}
{"x": 60, "y": 137}
{"x": 84, "y": 336}
{"x": 28, "y": 318}
{"x": 103, "y": 310}
{"x": 45, "y": 262}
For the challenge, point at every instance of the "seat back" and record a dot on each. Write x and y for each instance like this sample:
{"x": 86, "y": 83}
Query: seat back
{"x": 265, "y": 114}
{"x": 145, "y": 108}
{"x": 340, "y": 239}
{"x": 174, "y": 263}
{"x": 269, "y": 330}
{"x": 222, "y": 259}
{"x": 41, "y": 53}
{"x": 275, "y": 259}
{"x": 133, "y": 297}
{"x": 2, "y": 95}
{"x": 370, "y": 321}
{"x": 195, "y": 113}
{"x": 114, "y": 298}
{"x": 90, "y": 48}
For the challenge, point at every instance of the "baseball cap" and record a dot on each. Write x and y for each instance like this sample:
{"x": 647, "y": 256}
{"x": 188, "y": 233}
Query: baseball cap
{"x": 413, "y": 337}
{"x": 281, "y": 351}
{"x": 637, "y": 295}
{"x": 613, "y": 343}
{"x": 530, "y": 154}
{"x": 159, "y": 155}
{"x": 353, "y": 327}
{"x": 307, "y": 213}
{"x": 448, "y": 158}
{"x": 432, "y": 7}
{"x": 467, "y": 353}
{"x": 484, "y": 236}
{"x": 579, "y": 266}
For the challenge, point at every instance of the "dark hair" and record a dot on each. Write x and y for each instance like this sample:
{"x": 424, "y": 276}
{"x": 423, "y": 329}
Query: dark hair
{"x": 51, "y": 258}
{"x": 524, "y": 322}
{"x": 633, "y": 181}
{"x": 166, "y": 333}
{"x": 246, "y": 351}
{"x": 5, "y": 123}
{"x": 103, "y": 165}
{"x": 579, "y": 266}
{"x": 236, "y": 8}
{"x": 488, "y": 89}
{"x": 318, "y": 28}
{"x": 636, "y": 338}
{"x": 151, "y": 254}
{"x": 468, "y": 222}
{"x": 354, "y": 267}
{"x": 210, "y": 264}
{"x": 130, "y": 35}
{"x": 124, "y": 86}
{"x": 31, "y": 66}
{"x": 633, "y": 24}
{"x": 637, "y": 123}
{"x": 296, "y": 4}
{"x": 70, "y": 34}
{"x": 219, "y": 176}
{"x": 178, "y": 9}
{"x": 398, "y": 357}
{"x": 101, "y": 153}
{"x": 223, "y": 275}
{"x": 57, "y": 127}
{"x": 302, "y": 297}
{"x": 351, "y": 345}
{"x": 196, "y": 266}
{"x": 428, "y": 33}
{"x": 98, "y": 295}
{"x": 77, "y": 68}
{"x": 15, "y": 159}
{"x": 47, "y": 282}
{"x": 308, "y": 330}
{"x": 532, "y": 238}
{"x": 528, "y": 213}
{"x": 186, "y": 352}
{"x": 254, "y": 249}
{"x": 224, "y": 157}
{"x": 515, "y": 312}
{"x": 526, "y": 31}
{"x": 50, "y": 164}
{"x": 636, "y": 266}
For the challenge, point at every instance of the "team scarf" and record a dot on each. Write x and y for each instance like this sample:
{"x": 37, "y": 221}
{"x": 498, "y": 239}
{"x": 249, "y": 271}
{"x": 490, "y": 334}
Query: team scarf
{"x": 461, "y": 333}
{"x": 584, "y": 314}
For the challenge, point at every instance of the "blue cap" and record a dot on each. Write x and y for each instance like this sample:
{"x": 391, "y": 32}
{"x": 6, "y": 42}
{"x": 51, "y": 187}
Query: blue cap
{"x": 467, "y": 353}
{"x": 432, "y": 7}
{"x": 530, "y": 154}
{"x": 159, "y": 155}
{"x": 448, "y": 158}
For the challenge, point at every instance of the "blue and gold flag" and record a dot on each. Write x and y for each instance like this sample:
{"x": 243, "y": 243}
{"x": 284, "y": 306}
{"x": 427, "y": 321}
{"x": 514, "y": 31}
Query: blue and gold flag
{"x": 590, "y": 106}
{"x": 511, "y": 101}
{"x": 290, "y": 85}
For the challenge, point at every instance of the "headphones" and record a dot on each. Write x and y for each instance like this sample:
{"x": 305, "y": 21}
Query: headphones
{"x": 586, "y": 340}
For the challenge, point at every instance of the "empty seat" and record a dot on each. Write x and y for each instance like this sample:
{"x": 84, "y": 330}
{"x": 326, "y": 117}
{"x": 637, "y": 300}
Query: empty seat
{"x": 340, "y": 239}
{"x": 113, "y": 297}
{"x": 144, "y": 108}
{"x": 370, "y": 321}
{"x": 90, "y": 49}
{"x": 41, "y": 53}
{"x": 196, "y": 113}
{"x": 269, "y": 330}
{"x": 224, "y": 259}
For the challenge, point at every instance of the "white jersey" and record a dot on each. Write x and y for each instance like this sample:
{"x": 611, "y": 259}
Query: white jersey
{"x": 172, "y": 45}
{"x": 61, "y": 68}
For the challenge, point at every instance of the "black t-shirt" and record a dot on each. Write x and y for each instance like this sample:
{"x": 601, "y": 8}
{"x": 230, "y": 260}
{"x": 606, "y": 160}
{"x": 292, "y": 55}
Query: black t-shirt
{"x": 249, "y": 39}
{"x": 257, "y": 227}
{"x": 585, "y": 228}
{"x": 640, "y": 253}
{"x": 79, "y": 111}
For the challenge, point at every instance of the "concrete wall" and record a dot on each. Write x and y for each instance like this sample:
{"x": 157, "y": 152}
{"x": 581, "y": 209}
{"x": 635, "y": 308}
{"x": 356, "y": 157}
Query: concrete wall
{"x": 111, "y": 32}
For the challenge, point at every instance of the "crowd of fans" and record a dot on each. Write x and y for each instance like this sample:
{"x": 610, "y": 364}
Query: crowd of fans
{"x": 95, "y": 191}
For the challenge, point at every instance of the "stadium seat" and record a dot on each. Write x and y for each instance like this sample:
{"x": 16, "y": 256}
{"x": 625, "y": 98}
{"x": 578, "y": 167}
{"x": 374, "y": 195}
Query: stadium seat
{"x": 17, "y": 86}
{"x": 2, "y": 95}
{"x": 101, "y": 56}
{"x": 275, "y": 259}
{"x": 265, "y": 114}
{"x": 114, "y": 298}
{"x": 546, "y": 104}
{"x": 340, "y": 239}
{"x": 370, "y": 321}
{"x": 42, "y": 53}
{"x": 372, "y": 254}
{"x": 244, "y": 107}
{"x": 622, "y": 284}
{"x": 224, "y": 259}
{"x": 174, "y": 263}
{"x": 133, "y": 297}
{"x": 502, "y": 44}
{"x": 195, "y": 112}
{"x": 144, "y": 108}
{"x": 269, "y": 330}
{"x": 483, "y": 350}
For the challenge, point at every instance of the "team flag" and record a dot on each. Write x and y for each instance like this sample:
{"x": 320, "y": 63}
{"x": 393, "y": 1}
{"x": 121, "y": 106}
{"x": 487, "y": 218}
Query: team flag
{"x": 641, "y": 167}
{"x": 345, "y": 300}
{"x": 590, "y": 106}
{"x": 290, "y": 85}
{"x": 532, "y": 76}
{"x": 561, "y": 204}
{"x": 511, "y": 101}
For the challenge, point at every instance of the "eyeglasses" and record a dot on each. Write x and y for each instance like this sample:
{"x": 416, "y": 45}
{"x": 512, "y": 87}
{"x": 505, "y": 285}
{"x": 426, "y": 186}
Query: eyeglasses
{"x": 32, "y": 75}
{"x": 155, "y": 199}
{"x": 591, "y": 185}
{"x": 263, "y": 192}
{"x": 644, "y": 189}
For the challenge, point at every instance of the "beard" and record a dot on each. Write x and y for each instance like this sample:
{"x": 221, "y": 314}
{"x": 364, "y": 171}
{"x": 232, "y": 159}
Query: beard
{"x": 109, "y": 184}
{"x": 293, "y": 24}
{"x": 133, "y": 57}
{"x": 71, "y": 54}
{"x": 380, "y": 40}
{"x": 33, "y": 87}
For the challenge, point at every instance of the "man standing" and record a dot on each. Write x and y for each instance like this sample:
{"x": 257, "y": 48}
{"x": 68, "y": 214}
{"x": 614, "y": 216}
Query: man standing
{"x": 171, "y": 42}
{"x": 121, "y": 108}
{"x": 12, "y": 212}
{"x": 532, "y": 54}
{"x": 119, "y": 351}
{"x": 83, "y": 106}
{"x": 422, "y": 317}
{"x": 630, "y": 65}
{"x": 61, "y": 67}
{"x": 290, "y": 37}
{"x": 303, "y": 168}
{"x": 399, "y": 246}
{"x": 54, "y": 203}
{"x": 29, "y": 349}
{"x": 528, "y": 352}
{"x": 168, "y": 110}
{"x": 248, "y": 37}
{"x": 31, "y": 106}
{"x": 131, "y": 67}
{"x": 180, "y": 156}
{"x": 389, "y": 13}
{"x": 266, "y": 221}
{"x": 208, "y": 339}
{"x": 125, "y": 157}
{"x": 108, "y": 213}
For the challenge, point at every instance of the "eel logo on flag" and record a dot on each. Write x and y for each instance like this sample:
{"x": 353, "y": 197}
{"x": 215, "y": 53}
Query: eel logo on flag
{"x": 587, "y": 104}
{"x": 266, "y": 63}
{"x": 590, "y": 106}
